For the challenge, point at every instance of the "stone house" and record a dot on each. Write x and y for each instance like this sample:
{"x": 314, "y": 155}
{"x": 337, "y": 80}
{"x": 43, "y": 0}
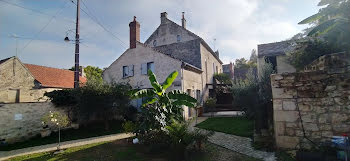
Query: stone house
{"x": 171, "y": 47}
{"x": 21, "y": 82}
{"x": 275, "y": 53}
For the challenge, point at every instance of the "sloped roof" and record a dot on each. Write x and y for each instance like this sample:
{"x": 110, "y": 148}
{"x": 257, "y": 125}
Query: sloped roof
{"x": 53, "y": 77}
{"x": 188, "y": 51}
{"x": 197, "y": 39}
{"x": 4, "y": 60}
{"x": 274, "y": 49}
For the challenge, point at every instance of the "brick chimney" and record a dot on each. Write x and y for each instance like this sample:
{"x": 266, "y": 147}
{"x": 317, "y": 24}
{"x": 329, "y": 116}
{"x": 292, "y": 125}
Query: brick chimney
{"x": 163, "y": 17}
{"x": 183, "y": 20}
{"x": 134, "y": 33}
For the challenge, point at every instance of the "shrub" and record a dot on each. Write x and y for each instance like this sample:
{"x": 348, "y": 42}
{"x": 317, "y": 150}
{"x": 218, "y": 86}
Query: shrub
{"x": 95, "y": 101}
{"x": 210, "y": 104}
{"x": 308, "y": 50}
{"x": 254, "y": 96}
{"x": 129, "y": 126}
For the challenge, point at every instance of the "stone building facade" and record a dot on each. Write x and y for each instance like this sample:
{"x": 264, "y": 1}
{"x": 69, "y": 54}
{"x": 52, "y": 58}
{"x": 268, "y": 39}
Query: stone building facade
{"x": 316, "y": 101}
{"x": 170, "y": 47}
{"x": 21, "y": 82}
{"x": 275, "y": 53}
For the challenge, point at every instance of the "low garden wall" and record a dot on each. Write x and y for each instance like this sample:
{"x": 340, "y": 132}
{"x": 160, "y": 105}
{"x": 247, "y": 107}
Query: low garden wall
{"x": 20, "y": 121}
{"x": 316, "y": 101}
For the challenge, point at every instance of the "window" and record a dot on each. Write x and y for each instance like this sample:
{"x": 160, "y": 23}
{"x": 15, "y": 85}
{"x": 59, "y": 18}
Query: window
{"x": 178, "y": 37}
{"x": 213, "y": 67}
{"x": 125, "y": 71}
{"x": 217, "y": 70}
{"x": 150, "y": 66}
{"x": 147, "y": 66}
{"x": 154, "y": 42}
{"x": 198, "y": 95}
{"x": 273, "y": 61}
{"x": 128, "y": 71}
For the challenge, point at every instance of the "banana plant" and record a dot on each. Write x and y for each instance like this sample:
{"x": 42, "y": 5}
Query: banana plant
{"x": 168, "y": 105}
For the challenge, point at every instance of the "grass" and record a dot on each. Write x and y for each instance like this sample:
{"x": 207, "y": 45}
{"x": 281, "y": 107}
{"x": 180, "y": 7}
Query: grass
{"x": 239, "y": 126}
{"x": 122, "y": 150}
{"x": 91, "y": 130}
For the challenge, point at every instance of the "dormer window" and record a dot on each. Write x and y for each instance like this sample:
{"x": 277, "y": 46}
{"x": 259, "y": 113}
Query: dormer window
{"x": 154, "y": 42}
{"x": 178, "y": 37}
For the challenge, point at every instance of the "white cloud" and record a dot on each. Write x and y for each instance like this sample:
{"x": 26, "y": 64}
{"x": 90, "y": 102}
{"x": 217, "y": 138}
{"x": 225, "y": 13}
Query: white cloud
{"x": 237, "y": 25}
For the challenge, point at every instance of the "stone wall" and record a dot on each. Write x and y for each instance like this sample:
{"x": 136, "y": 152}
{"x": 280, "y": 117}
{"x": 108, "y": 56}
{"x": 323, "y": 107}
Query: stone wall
{"x": 21, "y": 121}
{"x": 317, "y": 101}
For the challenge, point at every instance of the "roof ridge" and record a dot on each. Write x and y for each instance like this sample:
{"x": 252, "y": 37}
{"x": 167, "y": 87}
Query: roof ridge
{"x": 48, "y": 67}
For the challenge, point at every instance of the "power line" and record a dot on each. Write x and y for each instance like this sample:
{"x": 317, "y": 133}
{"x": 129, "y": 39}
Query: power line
{"x": 33, "y": 10}
{"x": 102, "y": 26}
{"x": 43, "y": 28}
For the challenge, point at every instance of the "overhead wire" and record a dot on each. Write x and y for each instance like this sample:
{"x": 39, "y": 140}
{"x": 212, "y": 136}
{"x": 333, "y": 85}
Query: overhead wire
{"x": 33, "y": 10}
{"x": 93, "y": 18}
{"x": 43, "y": 28}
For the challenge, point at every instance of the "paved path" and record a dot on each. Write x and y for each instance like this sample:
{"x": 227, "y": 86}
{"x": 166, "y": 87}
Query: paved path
{"x": 223, "y": 114}
{"x": 67, "y": 144}
{"x": 238, "y": 144}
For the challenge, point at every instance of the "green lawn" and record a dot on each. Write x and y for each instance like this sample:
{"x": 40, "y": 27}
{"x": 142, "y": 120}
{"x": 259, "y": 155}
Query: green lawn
{"x": 123, "y": 150}
{"x": 91, "y": 130}
{"x": 239, "y": 126}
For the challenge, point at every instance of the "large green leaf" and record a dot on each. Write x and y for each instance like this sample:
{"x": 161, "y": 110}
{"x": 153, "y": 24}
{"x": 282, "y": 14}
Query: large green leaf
{"x": 155, "y": 84}
{"x": 143, "y": 93}
{"x": 169, "y": 80}
{"x": 323, "y": 27}
{"x": 184, "y": 102}
{"x": 178, "y": 95}
{"x": 311, "y": 19}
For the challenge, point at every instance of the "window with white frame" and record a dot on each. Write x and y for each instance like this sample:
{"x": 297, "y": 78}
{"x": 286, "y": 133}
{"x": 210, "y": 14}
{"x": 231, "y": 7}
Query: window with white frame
{"x": 147, "y": 66}
{"x": 128, "y": 71}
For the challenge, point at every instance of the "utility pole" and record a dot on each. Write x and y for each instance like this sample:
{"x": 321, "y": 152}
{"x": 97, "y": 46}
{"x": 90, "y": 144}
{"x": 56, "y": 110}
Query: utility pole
{"x": 76, "y": 71}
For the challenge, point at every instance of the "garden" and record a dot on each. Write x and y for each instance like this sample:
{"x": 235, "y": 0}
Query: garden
{"x": 161, "y": 132}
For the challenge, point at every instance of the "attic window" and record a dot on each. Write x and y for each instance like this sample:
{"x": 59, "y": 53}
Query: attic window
{"x": 178, "y": 37}
{"x": 154, "y": 42}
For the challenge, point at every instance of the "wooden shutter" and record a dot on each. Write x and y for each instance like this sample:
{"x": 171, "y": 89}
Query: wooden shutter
{"x": 144, "y": 68}
{"x": 131, "y": 70}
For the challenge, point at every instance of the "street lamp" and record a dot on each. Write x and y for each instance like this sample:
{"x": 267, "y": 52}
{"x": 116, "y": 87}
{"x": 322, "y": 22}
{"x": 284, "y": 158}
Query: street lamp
{"x": 76, "y": 55}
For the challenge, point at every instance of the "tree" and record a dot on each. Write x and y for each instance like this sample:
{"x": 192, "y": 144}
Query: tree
{"x": 253, "y": 56}
{"x": 162, "y": 107}
{"x": 332, "y": 23}
{"x": 57, "y": 119}
{"x": 93, "y": 73}
{"x": 241, "y": 63}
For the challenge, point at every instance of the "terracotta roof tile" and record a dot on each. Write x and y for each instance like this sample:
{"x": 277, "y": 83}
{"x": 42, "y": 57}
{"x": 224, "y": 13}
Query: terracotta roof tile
{"x": 53, "y": 77}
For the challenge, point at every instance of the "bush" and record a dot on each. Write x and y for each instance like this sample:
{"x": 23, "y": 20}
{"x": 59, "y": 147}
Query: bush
{"x": 254, "y": 96}
{"x": 306, "y": 51}
{"x": 210, "y": 104}
{"x": 129, "y": 126}
{"x": 95, "y": 101}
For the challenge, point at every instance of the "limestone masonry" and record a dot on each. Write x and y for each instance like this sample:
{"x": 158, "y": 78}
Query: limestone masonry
{"x": 316, "y": 100}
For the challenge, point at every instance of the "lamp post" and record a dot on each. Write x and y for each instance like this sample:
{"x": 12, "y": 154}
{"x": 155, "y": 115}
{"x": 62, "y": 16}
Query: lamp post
{"x": 76, "y": 71}
{"x": 76, "y": 55}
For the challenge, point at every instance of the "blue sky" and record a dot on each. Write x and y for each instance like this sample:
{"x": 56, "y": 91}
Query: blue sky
{"x": 237, "y": 25}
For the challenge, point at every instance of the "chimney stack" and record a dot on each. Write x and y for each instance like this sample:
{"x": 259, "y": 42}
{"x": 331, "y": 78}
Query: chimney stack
{"x": 163, "y": 17}
{"x": 183, "y": 20}
{"x": 134, "y": 33}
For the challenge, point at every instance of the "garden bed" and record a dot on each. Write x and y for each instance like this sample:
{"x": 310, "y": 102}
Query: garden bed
{"x": 123, "y": 150}
{"x": 91, "y": 130}
{"x": 239, "y": 126}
